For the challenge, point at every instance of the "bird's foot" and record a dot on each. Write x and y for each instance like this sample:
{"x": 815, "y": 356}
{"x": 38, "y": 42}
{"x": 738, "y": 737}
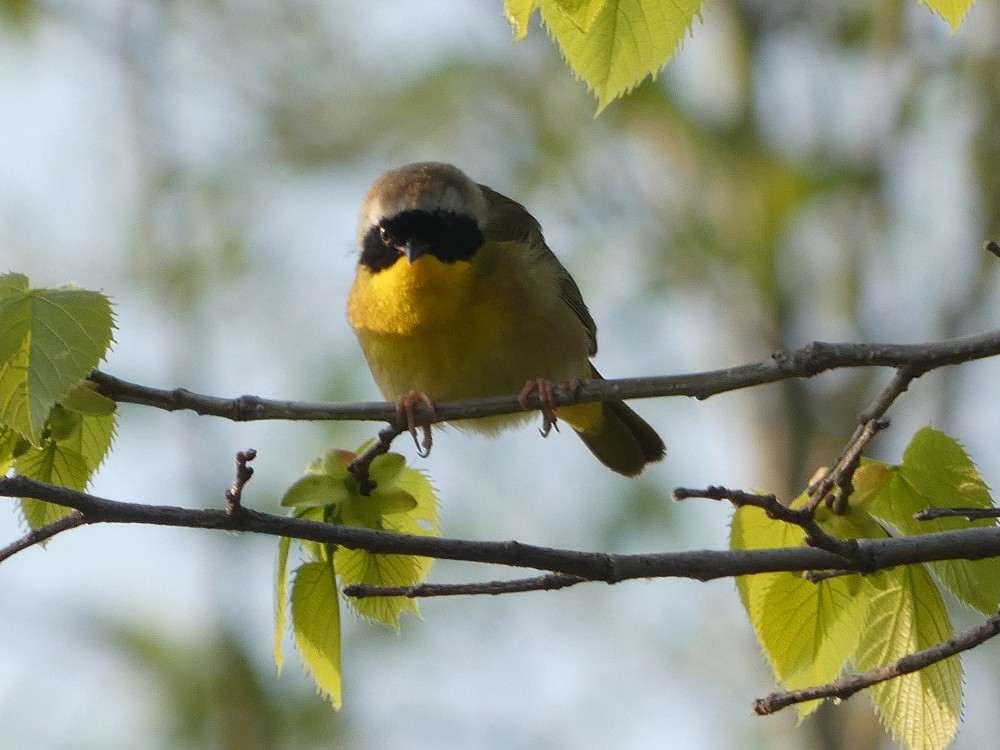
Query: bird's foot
{"x": 404, "y": 405}
{"x": 545, "y": 390}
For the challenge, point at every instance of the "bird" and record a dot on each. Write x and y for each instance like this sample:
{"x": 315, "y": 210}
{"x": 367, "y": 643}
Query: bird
{"x": 458, "y": 296}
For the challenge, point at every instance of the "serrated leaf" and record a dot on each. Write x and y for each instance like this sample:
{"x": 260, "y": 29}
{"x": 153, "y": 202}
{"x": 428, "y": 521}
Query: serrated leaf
{"x": 423, "y": 518}
{"x": 811, "y": 629}
{"x": 402, "y": 501}
{"x": 316, "y": 626}
{"x": 940, "y": 469}
{"x": 920, "y": 709}
{"x": 807, "y": 631}
{"x": 518, "y": 15}
{"x": 281, "y": 600}
{"x": 611, "y": 45}
{"x": 952, "y": 11}
{"x": 752, "y": 529}
{"x": 55, "y": 465}
{"x": 360, "y": 566}
{"x": 937, "y": 472}
{"x": 94, "y": 439}
{"x": 68, "y": 460}
{"x": 50, "y": 339}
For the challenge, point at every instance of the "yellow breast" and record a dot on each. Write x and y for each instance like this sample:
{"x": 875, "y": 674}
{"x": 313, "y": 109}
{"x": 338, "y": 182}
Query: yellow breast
{"x": 466, "y": 329}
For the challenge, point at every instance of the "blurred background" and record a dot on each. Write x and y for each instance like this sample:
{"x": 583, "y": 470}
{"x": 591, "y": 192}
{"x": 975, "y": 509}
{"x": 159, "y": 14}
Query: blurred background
{"x": 801, "y": 171}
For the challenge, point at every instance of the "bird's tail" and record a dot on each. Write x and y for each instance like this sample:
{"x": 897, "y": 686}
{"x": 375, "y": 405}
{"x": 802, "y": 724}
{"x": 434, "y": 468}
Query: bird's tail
{"x": 619, "y": 438}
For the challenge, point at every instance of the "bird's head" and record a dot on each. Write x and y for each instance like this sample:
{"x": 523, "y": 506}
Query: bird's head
{"x": 428, "y": 208}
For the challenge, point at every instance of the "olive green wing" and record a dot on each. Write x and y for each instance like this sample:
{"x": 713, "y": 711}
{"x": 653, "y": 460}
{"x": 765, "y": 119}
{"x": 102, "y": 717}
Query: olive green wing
{"x": 510, "y": 222}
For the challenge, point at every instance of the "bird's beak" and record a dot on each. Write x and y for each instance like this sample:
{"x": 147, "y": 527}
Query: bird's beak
{"x": 414, "y": 250}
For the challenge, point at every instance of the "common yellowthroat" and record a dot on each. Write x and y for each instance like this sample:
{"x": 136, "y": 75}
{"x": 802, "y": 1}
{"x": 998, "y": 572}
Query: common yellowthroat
{"x": 457, "y": 296}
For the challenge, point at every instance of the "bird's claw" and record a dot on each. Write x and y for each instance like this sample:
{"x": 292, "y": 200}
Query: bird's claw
{"x": 404, "y": 405}
{"x": 546, "y": 397}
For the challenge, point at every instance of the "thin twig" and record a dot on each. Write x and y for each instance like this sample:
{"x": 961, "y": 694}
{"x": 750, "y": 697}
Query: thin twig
{"x": 969, "y": 514}
{"x": 818, "y": 576}
{"x": 234, "y": 495}
{"x": 871, "y": 423}
{"x": 845, "y": 687}
{"x": 839, "y": 475}
{"x": 991, "y": 246}
{"x": 43, "y": 533}
{"x": 814, "y": 535}
{"x": 362, "y": 463}
{"x": 550, "y": 582}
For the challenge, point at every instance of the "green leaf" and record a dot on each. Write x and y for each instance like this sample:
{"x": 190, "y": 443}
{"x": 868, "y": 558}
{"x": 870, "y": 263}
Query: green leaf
{"x": 316, "y": 625}
{"x": 811, "y": 629}
{"x": 807, "y": 631}
{"x": 68, "y": 457}
{"x": 752, "y": 529}
{"x": 314, "y": 491}
{"x": 93, "y": 440}
{"x": 12, "y": 284}
{"x": 423, "y": 518}
{"x": 952, "y": 11}
{"x": 394, "y": 501}
{"x": 360, "y": 566}
{"x": 581, "y": 13}
{"x": 50, "y": 339}
{"x": 612, "y": 45}
{"x": 335, "y": 463}
{"x": 55, "y": 465}
{"x": 62, "y": 423}
{"x": 936, "y": 472}
{"x": 316, "y": 551}
{"x": 281, "y": 600}
{"x": 519, "y": 14}
{"x": 920, "y": 709}
{"x": 402, "y": 501}
{"x": 10, "y": 442}
{"x": 85, "y": 399}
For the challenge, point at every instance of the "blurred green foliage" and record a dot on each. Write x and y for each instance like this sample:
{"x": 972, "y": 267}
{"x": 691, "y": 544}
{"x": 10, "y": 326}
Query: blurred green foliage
{"x": 213, "y": 694}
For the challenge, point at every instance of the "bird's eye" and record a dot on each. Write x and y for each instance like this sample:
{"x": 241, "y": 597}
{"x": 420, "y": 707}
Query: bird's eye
{"x": 383, "y": 235}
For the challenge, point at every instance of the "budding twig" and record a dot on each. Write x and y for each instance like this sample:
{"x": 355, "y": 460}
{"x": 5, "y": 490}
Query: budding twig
{"x": 847, "y": 686}
{"x": 244, "y": 471}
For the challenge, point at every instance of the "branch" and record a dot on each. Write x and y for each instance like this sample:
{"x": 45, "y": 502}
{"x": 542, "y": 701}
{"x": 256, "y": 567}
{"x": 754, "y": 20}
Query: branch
{"x": 550, "y": 582}
{"x": 234, "y": 495}
{"x": 43, "y": 533}
{"x": 806, "y": 362}
{"x": 969, "y": 514}
{"x": 701, "y": 565}
{"x": 801, "y": 517}
{"x": 845, "y": 687}
{"x": 359, "y": 466}
{"x": 840, "y": 474}
{"x": 871, "y": 423}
